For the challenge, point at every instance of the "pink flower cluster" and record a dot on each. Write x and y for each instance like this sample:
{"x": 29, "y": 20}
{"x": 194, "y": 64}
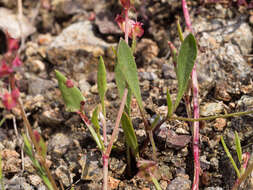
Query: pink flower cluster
{"x": 8, "y": 65}
{"x": 135, "y": 28}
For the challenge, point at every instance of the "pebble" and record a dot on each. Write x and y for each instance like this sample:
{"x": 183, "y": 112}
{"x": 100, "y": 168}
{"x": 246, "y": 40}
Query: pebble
{"x": 213, "y": 188}
{"x": 113, "y": 183}
{"x": 84, "y": 86}
{"x": 38, "y": 86}
{"x": 168, "y": 71}
{"x": 11, "y": 161}
{"x": 171, "y": 139}
{"x": 9, "y": 22}
{"x": 210, "y": 109}
{"x": 150, "y": 76}
{"x": 219, "y": 124}
{"x": 179, "y": 183}
{"x": 59, "y": 144}
{"x": 35, "y": 180}
{"x": 62, "y": 173}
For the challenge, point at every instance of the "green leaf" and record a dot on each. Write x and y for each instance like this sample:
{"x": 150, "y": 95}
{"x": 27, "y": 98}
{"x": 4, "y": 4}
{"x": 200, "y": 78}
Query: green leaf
{"x": 185, "y": 63}
{"x": 28, "y": 147}
{"x": 102, "y": 85}
{"x": 120, "y": 81}
{"x": 129, "y": 133}
{"x": 238, "y": 147}
{"x": 95, "y": 137}
{"x": 72, "y": 96}
{"x": 169, "y": 104}
{"x": 126, "y": 64}
{"x": 95, "y": 122}
{"x": 230, "y": 157}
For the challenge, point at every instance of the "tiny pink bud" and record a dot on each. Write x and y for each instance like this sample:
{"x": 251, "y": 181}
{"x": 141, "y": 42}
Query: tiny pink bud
{"x": 69, "y": 83}
{"x": 92, "y": 16}
{"x": 5, "y": 69}
{"x": 8, "y": 101}
{"x": 15, "y": 94}
{"x": 36, "y": 135}
{"x": 13, "y": 44}
{"x": 16, "y": 62}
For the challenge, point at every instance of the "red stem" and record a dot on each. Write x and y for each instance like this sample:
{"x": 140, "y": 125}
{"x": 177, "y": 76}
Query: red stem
{"x": 195, "y": 185}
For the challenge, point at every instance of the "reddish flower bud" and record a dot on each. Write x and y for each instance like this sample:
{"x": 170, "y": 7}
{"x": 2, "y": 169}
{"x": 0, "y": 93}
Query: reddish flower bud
{"x": 16, "y": 62}
{"x": 15, "y": 94}
{"x": 69, "y": 83}
{"x": 36, "y": 135}
{"x": 5, "y": 69}
{"x": 13, "y": 44}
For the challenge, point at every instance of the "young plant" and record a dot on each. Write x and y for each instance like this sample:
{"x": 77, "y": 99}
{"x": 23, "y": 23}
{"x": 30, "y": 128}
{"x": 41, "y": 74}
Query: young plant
{"x": 10, "y": 99}
{"x": 74, "y": 102}
{"x": 242, "y": 158}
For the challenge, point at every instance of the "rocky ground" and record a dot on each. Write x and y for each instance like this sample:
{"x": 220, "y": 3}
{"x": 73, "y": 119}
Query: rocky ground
{"x": 71, "y": 35}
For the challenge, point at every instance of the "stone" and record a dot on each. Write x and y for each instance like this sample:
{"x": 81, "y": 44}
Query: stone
{"x": 219, "y": 124}
{"x": 38, "y": 86}
{"x": 62, "y": 173}
{"x": 179, "y": 183}
{"x": 171, "y": 139}
{"x": 212, "y": 108}
{"x": 11, "y": 161}
{"x": 59, "y": 144}
{"x": 35, "y": 180}
{"x": 9, "y": 22}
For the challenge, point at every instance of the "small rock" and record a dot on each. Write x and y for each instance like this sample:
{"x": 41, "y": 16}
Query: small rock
{"x": 36, "y": 66}
{"x": 28, "y": 165}
{"x": 211, "y": 109}
{"x": 168, "y": 71}
{"x": 9, "y": 22}
{"x": 11, "y": 161}
{"x": 18, "y": 183}
{"x": 117, "y": 166}
{"x": 221, "y": 93}
{"x": 59, "y": 144}
{"x": 84, "y": 86}
{"x": 171, "y": 139}
{"x": 39, "y": 86}
{"x": 63, "y": 174}
{"x": 213, "y": 188}
{"x": 35, "y": 180}
{"x": 182, "y": 131}
{"x": 219, "y": 124}
{"x": 165, "y": 172}
{"x": 113, "y": 183}
{"x": 150, "y": 76}
{"x": 245, "y": 103}
{"x": 179, "y": 183}
{"x": 148, "y": 50}
{"x": 214, "y": 163}
{"x": 92, "y": 171}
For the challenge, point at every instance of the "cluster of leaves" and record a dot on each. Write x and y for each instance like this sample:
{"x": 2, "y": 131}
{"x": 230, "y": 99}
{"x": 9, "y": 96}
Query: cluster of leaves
{"x": 126, "y": 76}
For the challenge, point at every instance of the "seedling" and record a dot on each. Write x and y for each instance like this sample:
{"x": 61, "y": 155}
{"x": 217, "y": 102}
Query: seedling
{"x": 242, "y": 158}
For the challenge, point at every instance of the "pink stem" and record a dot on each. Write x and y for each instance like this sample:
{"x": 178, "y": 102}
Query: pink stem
{"x": 195, "y": 185}
{"x": 116, "y": 127}
{"x": 105, "y": 171}
{"x": 126, "y": 25}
